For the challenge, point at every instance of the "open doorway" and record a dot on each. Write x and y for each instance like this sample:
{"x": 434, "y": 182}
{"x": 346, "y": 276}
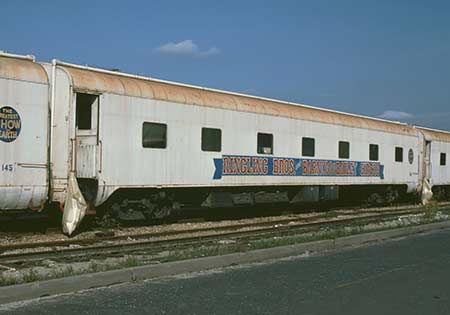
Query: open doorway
{"x": 86, "y": 111}
{"x": 86, "y": 133}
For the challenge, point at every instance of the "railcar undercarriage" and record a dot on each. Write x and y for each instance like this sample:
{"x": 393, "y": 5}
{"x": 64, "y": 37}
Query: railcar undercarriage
{"x": 441, "y": 192}
{"x": 140, "y": 204}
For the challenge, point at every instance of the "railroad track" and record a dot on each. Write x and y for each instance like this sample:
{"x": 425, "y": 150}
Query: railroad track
{"x": 274, "y": 221}
{"x": 126, "y": 244}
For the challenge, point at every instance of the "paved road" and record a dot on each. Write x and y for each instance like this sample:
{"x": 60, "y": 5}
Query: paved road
{"x": 409, "y": 276}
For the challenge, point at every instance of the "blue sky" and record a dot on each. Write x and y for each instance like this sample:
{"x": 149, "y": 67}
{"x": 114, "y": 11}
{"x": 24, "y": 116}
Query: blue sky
{"x": 380, "y": 58}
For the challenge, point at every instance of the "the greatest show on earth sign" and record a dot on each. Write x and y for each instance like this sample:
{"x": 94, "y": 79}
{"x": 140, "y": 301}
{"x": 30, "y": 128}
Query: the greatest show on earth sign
{"x": 10, "y": 124}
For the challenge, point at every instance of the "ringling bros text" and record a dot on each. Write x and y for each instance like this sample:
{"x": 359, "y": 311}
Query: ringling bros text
{"x": 236, "y": 165}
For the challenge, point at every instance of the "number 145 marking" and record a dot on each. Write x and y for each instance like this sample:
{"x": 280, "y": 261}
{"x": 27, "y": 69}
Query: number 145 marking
{"x": 7, "y": 167}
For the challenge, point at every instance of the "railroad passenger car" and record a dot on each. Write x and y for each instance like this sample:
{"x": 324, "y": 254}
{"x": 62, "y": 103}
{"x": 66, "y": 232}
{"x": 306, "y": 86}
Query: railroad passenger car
{"x": 24, "y": 120}
{"x": 160, "y": 145}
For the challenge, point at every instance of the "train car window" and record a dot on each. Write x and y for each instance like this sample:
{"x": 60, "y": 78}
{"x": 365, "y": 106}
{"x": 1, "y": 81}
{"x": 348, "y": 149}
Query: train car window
{"x": 443, "y": 159}
{"x": 308, "y": 147}
{"x": 211, "y": 139}
{"x": 344, "y": 150}
{"x": 265, "y": 143}
{"x": 83, "y": 108}
{"x": 373, "y": 152}
{"x": 154, "y": 135}
{"x": 398, "y": 154}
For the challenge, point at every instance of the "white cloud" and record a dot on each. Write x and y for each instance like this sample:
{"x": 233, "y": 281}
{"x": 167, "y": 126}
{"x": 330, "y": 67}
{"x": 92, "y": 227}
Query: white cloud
{"x": 393, "y": 114}
{"x": 209, "y": 52}
{"x": 186, "y": 47}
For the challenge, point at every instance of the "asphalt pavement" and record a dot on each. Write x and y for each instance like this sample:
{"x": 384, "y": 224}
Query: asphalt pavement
{"x": 407, "y": 276}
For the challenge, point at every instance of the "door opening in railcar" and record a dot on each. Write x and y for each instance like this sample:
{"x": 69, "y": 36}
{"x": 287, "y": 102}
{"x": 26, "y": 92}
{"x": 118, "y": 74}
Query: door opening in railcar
{"x": 86, "y": 105}
{"x": 87, "y": 148}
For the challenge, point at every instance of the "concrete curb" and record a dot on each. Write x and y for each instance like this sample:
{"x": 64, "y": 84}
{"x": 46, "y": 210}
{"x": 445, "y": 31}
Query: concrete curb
{"x": 35, "y": 290}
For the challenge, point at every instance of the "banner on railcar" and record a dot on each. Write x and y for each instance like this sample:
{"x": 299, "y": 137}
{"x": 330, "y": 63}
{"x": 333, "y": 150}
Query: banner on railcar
{"x": 236, "y": 165}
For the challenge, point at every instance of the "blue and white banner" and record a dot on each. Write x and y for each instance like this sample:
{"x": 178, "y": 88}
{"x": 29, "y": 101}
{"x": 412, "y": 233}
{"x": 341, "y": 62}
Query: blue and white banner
{"x": 237, "y": 165}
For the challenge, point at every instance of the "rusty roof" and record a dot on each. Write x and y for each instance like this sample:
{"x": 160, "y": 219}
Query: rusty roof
{"x": 103, "y": 81}
{"x": 22, "y": 69}
{"x": 435, "y": 135}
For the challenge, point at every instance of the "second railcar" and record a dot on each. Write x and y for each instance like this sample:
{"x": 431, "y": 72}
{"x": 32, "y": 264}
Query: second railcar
{"x": 159, "y": 145}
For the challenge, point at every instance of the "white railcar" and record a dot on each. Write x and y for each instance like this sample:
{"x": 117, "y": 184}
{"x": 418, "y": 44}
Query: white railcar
{"x": 24, "y": 124}
{"x": 124, "y": 110}
{"x": 129, "y": 139}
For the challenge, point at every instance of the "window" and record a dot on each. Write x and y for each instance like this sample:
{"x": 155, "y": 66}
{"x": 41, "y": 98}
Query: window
{"x": 211, "y": 139}
{"x": 443, "y": 159}
{"x": 398, "y": 154}
{"x": 84, "y": 108}
{"x": 308, "y": 147}
{"x": 344, "y": 150}
{"x": 373, "y": 152}
{"x": 154, "y": 135}
{"x": 265, "y": 143}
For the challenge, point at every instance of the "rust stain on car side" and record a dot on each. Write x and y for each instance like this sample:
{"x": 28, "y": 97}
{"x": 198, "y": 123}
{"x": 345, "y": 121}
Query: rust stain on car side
{"x": 435, "y": 135}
